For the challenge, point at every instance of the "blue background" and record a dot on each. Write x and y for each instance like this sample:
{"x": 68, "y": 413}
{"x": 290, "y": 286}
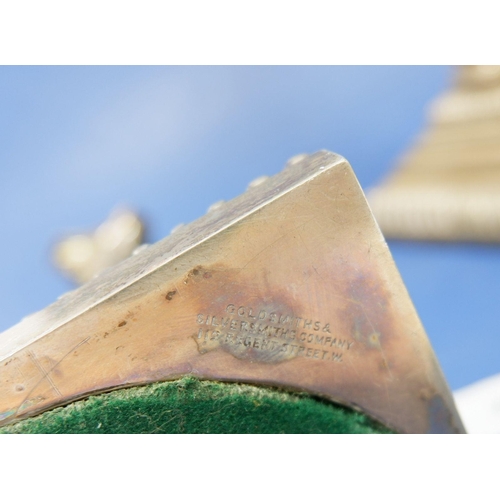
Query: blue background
{"x": 169, "y": 141}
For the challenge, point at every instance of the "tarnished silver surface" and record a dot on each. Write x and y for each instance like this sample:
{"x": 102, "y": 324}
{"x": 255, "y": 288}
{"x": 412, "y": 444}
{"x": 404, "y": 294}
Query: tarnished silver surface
{"x": 161, "y": 253}
{"x": 289, "y": 285}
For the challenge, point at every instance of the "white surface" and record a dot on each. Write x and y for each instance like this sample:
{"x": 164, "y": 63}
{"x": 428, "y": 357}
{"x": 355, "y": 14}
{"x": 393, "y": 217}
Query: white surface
{"x": 479, "y": 406}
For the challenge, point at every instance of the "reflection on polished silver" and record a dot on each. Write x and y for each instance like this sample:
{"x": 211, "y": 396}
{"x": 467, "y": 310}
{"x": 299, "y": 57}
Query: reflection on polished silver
{"x": 84, "y": 256}
{"x": 140, "y": 248}
{"x": 257, "y": 182}
{"x": 177, "y": 228}
{"x": 290, "y": 284}
{"x": 296, "y": 159}
{"x": 215, "y": 206}
{"x": 448, "y": 186}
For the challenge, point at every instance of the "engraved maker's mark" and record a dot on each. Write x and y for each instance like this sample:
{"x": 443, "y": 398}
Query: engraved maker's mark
{"x": 259, "y": 334}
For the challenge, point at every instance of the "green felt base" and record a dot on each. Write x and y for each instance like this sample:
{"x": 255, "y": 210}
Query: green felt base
{"x": 193, "y": 406}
